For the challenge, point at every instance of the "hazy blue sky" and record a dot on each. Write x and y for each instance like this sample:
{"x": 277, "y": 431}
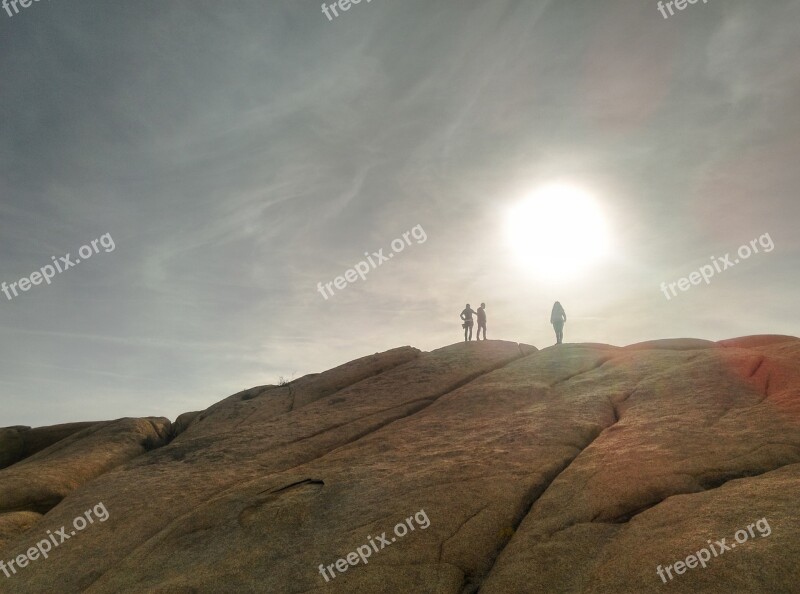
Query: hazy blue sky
{"x": 239, "y": 153}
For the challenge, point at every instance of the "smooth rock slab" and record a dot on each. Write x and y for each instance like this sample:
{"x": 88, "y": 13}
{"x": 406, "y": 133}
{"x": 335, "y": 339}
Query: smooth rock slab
{"x": 579, "y": 468}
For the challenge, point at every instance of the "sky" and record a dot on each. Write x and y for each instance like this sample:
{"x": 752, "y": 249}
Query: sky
{"x": 237, "y": 154}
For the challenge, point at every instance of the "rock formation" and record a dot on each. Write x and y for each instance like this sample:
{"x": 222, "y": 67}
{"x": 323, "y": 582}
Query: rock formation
{"x": 577, "y": 468}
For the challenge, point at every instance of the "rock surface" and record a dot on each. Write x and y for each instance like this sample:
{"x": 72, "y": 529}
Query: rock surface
{"x": 578, "y": 468}
{"x": 38, "y": 483}
{"x": 11, "y": 445}
{"x": 14, "y": 523}
{"x": 17, "y": 443}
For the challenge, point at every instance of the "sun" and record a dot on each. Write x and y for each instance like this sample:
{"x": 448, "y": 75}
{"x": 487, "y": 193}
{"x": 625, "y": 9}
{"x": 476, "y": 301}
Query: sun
{"x": 558, "y": 232}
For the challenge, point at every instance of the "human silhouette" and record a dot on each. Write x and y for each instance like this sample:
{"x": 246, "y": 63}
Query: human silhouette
{"x": 466, "y": 316}
{"x": 481, "y": 321}
{"x": 558, "y": 318}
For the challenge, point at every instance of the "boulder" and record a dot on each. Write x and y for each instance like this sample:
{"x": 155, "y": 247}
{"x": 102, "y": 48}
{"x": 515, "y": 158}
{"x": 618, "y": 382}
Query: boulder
{"x": 12, "y": 445}
{"x": 40, "y": 482}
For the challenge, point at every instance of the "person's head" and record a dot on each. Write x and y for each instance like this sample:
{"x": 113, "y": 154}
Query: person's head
{"x": 483, "y": 305}
{"x": 467, "y": 305}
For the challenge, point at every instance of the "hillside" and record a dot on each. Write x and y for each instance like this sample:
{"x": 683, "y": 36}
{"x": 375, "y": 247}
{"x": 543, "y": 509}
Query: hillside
{"x": 572, "y": 469}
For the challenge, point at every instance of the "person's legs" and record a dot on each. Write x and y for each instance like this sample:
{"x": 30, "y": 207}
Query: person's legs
{"x": 481, "y": 327}
{"x": 470, "y": 331}
{"x": 465, "y": 332}
{"x": 559, "y": 334}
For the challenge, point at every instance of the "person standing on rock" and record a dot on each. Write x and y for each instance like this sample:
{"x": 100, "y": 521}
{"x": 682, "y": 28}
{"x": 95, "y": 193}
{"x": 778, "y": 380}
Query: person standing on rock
{"x": 481, "y": 321}
{"x": 558, "y": 318}
{"x": 466, "y": 317}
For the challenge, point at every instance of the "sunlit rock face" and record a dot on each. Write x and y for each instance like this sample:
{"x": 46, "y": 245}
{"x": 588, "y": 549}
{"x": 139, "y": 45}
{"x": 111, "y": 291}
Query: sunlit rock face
{"x": 577, "y": 468}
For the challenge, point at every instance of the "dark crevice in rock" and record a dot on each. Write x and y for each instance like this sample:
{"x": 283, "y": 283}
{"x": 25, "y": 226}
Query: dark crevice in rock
{"x": 417, "y": 406}
{"x": 757, "y": 366}
{"x": 615, "y": 407}
{"x": 755, "y": 370}
{"x": 425, "y": 402}
{"x": 385, "y": 366}
{"x": 262, "y": 390}
{"x": 473, "y": 584}
{"x": 163, "y": 437}
{"x": 467, "y": 380}
{"x": 367, "y": 431}
{"x": 623, "y": 518}
{"x": 294, "y": 485}
{"x": 716, "y": 481}
{"x": 594, "y": 367}
{"x": 458, "y": 529}
{"x": 356, "y": 420}
{"x": 614, "y": 411}
{"x": 616, "y": 417}
{"x": 41, "y": 506}
{"x": 707, "y": 484}
{"x": 151, "y": 443}
{"x": 468, "y": 586}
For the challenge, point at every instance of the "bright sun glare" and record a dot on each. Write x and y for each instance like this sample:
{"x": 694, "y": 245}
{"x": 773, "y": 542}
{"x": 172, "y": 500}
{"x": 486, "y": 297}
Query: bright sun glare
{"x": 558, "y": 232}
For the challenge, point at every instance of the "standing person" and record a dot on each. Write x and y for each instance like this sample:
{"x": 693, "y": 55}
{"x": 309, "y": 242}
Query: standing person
{"x": 558, "y": 318}
{"x": 481, "y": 321}
{"x": 466, "y": 317}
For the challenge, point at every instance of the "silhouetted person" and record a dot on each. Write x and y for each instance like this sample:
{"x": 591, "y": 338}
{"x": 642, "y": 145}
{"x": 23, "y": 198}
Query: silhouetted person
{"x": 481, "y": 321}
{"x": 466, "y": 316}
{"x": 558, "y": 318}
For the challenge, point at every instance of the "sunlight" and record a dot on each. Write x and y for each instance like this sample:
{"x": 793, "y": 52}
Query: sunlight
{"x": 558, "y": 232}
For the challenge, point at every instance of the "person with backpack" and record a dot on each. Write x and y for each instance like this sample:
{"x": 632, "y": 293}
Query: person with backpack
{"x": 466, "y": 317}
